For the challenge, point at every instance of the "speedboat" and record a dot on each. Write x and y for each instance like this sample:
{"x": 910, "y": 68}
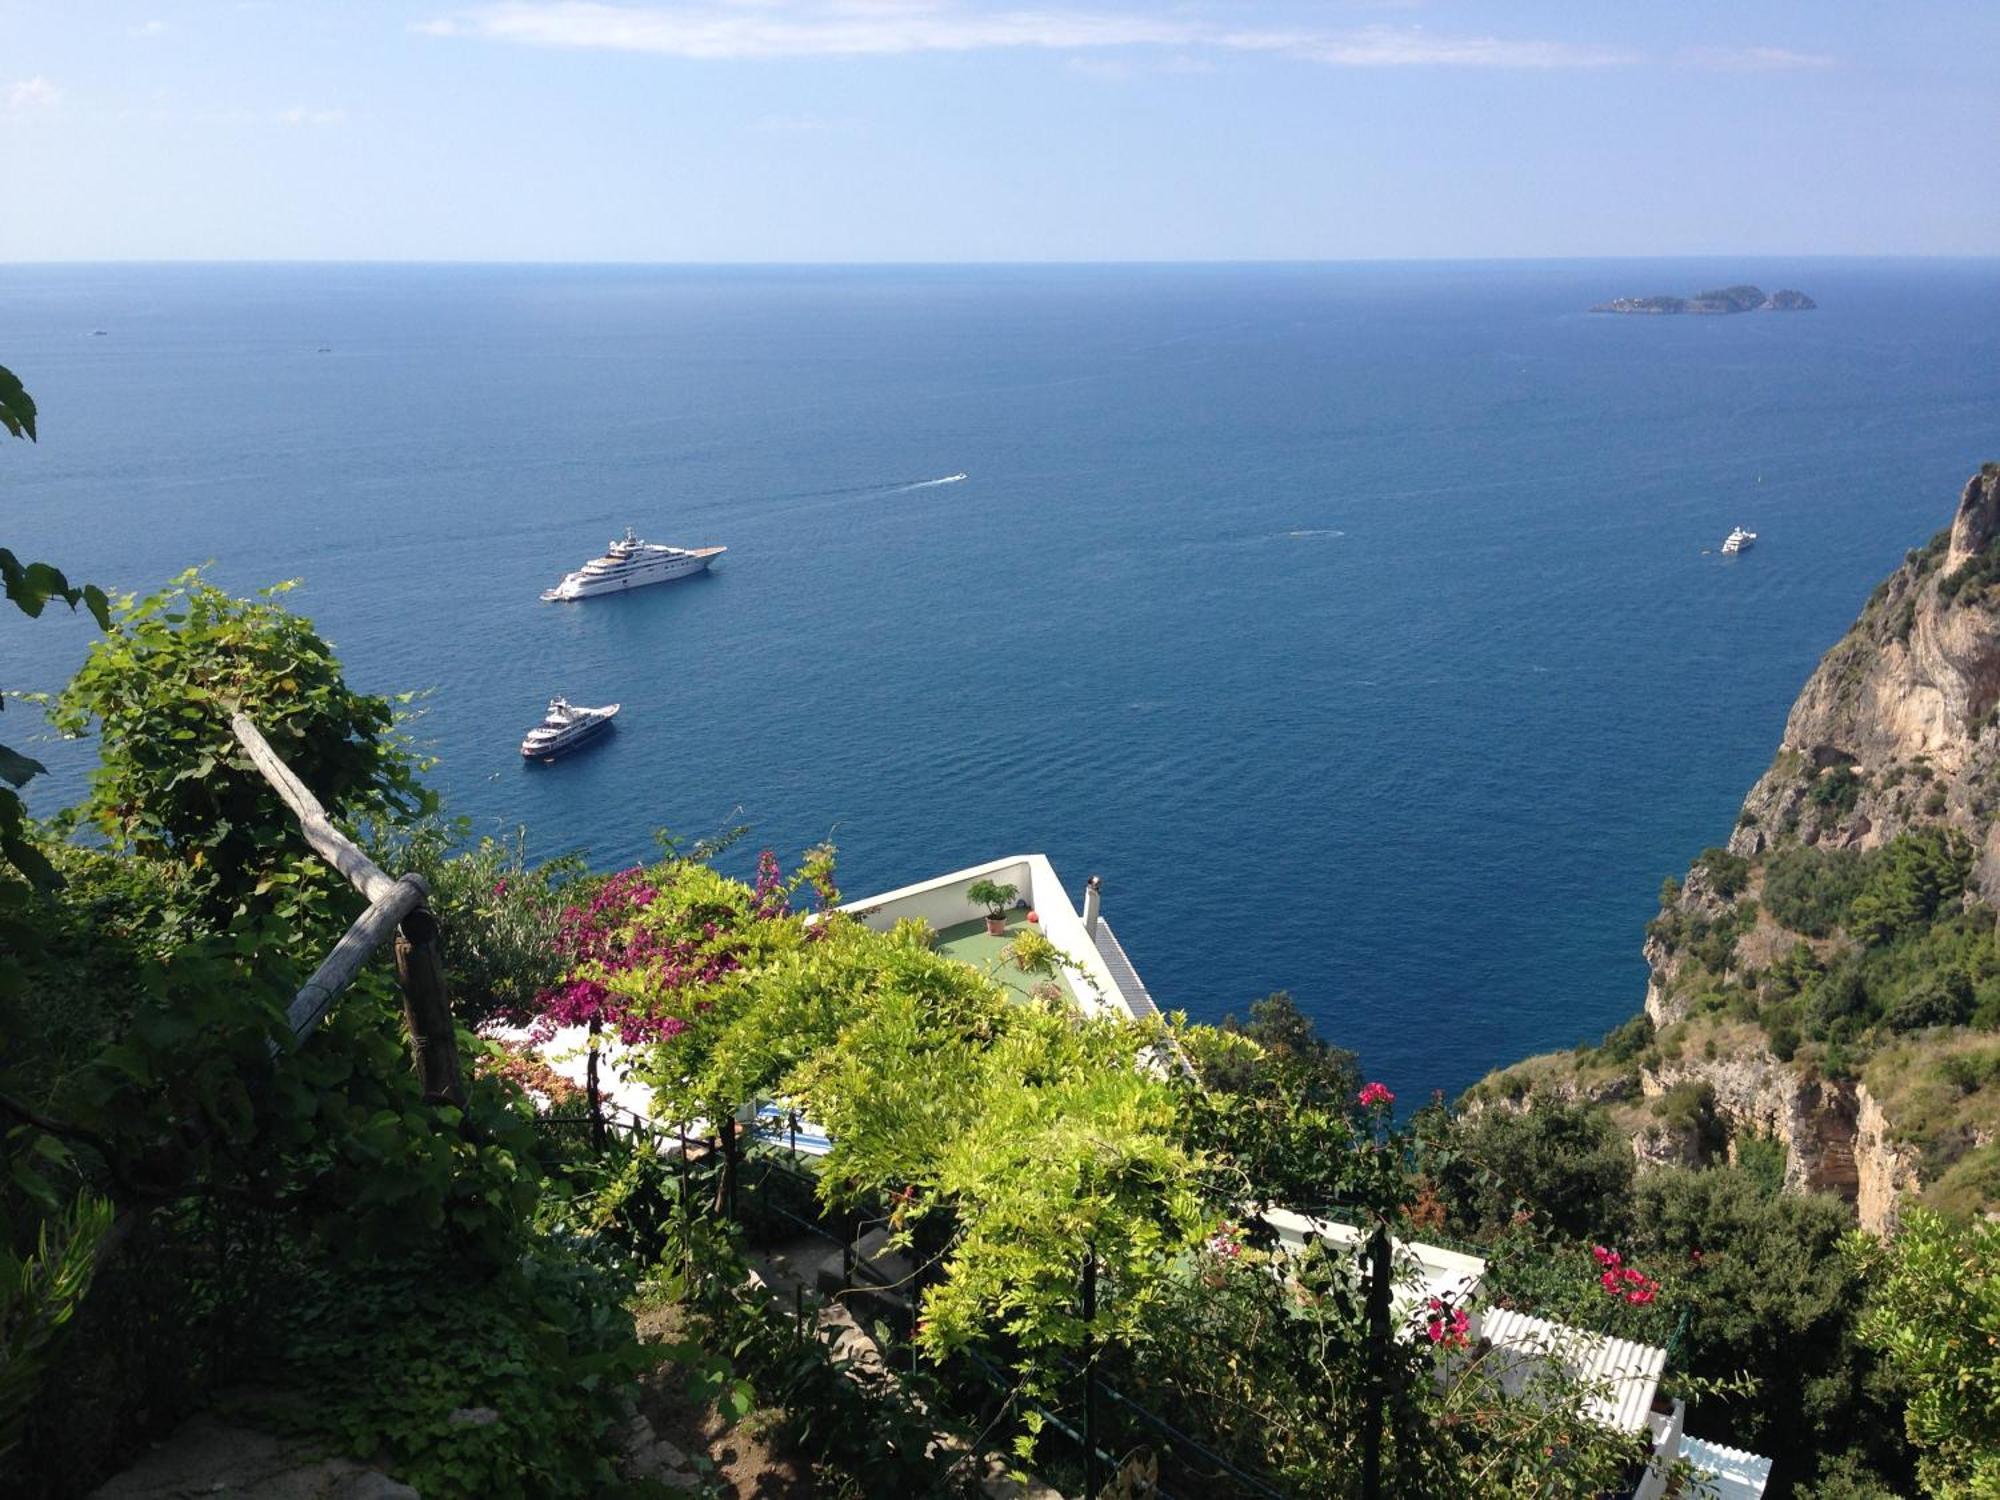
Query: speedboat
{"x": 566, "y": 726}
{"x": 631, "y": 562}
{"x": 1739, "y": 540}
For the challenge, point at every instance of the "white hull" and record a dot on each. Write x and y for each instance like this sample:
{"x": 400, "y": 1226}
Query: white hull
{"x": 565, "y": 729}
{"x": 666, "y": 567}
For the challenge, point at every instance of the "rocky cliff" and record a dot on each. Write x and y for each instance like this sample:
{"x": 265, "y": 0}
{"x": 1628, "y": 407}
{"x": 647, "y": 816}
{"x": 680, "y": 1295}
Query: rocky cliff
{"x": 1828, "y": 981}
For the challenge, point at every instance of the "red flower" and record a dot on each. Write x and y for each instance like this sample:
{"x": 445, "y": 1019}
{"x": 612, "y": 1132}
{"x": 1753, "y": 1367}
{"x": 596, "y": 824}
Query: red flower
{"x": 1635, "y": 1286}
{"x": 1375, "y": 1094}
{"x": 1447, "y": 1325}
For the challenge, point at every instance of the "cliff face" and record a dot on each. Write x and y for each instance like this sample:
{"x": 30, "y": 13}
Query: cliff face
{"x": 1901, "y": 710}
{"x": 1830, "y": 980}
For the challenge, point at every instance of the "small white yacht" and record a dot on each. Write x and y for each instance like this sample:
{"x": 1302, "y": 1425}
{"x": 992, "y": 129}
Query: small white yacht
{"x": 629, "y": 563}
{"x": 1739, "y": 540}
{"x": 566, "y": 726}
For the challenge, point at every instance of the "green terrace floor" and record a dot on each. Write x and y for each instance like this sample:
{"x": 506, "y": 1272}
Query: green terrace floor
{"x": 970, "y": 943}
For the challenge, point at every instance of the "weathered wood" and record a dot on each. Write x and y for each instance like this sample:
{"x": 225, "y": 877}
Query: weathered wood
{"x": 367, "y": 934}
{"x": 393, "y": 906}
{"x": 427, "y": 1008}
{"x": 333, "y": 846}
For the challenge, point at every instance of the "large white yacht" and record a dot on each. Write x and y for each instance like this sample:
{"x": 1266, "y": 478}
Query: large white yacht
{"x": 566, "y": 726}
{"x": 1739, "y": 540}
{"x": 630, "y": 563}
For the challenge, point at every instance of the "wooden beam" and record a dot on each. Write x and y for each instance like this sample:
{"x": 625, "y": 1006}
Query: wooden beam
{"x": 368, "y": 933}
{"x": 333, "y": 846}
{"x": 427, "y": 1008}
{"x": 394, "y": 906}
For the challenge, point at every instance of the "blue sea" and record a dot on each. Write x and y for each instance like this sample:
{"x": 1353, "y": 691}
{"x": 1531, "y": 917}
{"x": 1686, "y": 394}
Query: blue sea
{"x": 1361, "y": 625}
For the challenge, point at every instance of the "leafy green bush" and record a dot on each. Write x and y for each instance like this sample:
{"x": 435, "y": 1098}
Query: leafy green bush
{"x": 1727, "y": 873}
{"x": 1808, "y": 888}
{"x": 1292, "y": 1055}
{"x": 1565, "y": 1164}
{"x": 1934, "y": 1314}
{"x": 172, "y": 781}
{"x": 1762, "y": 1159}
{"x": 508, "y": 1383}
{"x": 1934, "y": 1000}
{"x": 1836, "y": 789}
{"x": 1772, "y": 1294}
{"x": 1838, "y": 1003}
{"x": 1624, "y": 1043}
{"x": 499, "y": 916}
{"x": 1908, "y": 882}
{"x": 296, "y": 1203}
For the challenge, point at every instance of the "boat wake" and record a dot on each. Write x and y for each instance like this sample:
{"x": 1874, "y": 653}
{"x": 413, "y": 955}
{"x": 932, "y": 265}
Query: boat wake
{"x": 927, "y": 484}
{"x": 1318, "y": 533}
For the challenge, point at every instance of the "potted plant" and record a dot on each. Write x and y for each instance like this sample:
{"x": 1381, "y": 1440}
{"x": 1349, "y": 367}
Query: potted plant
{"x": 996, "y": 898}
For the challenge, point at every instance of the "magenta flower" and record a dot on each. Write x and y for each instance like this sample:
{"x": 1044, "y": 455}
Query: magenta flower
{"x": 1374, "y": 1094}
{"x": 1448, "y": 1326}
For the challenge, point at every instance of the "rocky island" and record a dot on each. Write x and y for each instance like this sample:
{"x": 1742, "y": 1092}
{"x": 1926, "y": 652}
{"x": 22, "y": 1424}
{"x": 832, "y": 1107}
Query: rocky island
{"x": 1825, "y": 985}
{"x": 1718, "y": 302}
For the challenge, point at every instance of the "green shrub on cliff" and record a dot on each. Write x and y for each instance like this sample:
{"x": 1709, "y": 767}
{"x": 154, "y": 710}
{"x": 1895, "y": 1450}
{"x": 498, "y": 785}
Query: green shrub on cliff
{"x": 1837, "y": 789}
{"x": 1808, "y": 889}
{"x": 1935, "y": 1317}
{"x": 1727, "y": 873}
{"x": 1564, "y": 1163}
{"x": 1772, "y": 1294}
{"x": 1907, "y": 882}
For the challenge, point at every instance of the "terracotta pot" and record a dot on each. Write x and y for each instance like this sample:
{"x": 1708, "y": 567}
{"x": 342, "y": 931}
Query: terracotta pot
{"x": 996, "y": 926}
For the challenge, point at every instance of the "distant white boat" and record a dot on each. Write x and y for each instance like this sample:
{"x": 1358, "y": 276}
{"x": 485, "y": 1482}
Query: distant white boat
{"x": 631, "y": 563}
{"x": 565, "y": 726}
{"x": 1739, "y": 540}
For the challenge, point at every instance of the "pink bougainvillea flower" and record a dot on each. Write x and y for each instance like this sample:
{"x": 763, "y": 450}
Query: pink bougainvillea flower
{"x": 1374, "y": 1094}
{"x": 1604, "y": 1256}
{"x": 1448, "y": 1326}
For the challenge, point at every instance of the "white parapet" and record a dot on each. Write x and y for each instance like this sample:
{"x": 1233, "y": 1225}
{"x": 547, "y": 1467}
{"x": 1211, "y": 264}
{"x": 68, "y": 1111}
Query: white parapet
{"x": 942, "y": 903}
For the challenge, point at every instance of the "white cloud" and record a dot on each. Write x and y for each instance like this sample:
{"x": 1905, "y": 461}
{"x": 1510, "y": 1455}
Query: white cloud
{"x": 299, "y": 115}
{"x": 148, "y": 28}
{"x": 735, "y": 29}
{"x": 33, "y": 93}
{"x": 1416, "y": 47}
{"x": 1756, "y": 59}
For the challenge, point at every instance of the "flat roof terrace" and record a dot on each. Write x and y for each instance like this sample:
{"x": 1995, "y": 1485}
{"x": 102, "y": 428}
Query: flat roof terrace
{"x": 1088, "y": 978}
{"x": 970, "y": 943}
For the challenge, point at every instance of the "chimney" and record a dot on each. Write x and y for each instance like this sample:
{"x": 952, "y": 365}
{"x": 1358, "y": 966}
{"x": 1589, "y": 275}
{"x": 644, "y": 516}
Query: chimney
{"x": 1093, "y": 896}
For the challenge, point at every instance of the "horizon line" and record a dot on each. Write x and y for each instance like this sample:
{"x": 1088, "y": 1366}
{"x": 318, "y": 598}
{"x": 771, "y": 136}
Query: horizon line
{"x": 1052, "y": 263}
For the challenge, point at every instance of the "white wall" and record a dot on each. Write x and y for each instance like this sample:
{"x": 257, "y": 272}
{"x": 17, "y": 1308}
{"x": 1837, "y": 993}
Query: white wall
{"x": 941, "y": 902}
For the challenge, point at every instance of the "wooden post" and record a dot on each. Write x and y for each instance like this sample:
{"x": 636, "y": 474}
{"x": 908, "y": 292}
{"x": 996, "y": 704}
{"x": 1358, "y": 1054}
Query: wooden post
{"x": 427, "y": 1009}
{"x": 1377, "y": 1355}
{"x": 728, "y": 1203}
{"x": 596, "y": 1098}
{"x": 1091, "y": 1479}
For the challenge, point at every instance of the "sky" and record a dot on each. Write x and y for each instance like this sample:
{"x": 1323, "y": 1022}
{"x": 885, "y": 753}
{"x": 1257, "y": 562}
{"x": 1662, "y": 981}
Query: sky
{"x": 995, "y": 130}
